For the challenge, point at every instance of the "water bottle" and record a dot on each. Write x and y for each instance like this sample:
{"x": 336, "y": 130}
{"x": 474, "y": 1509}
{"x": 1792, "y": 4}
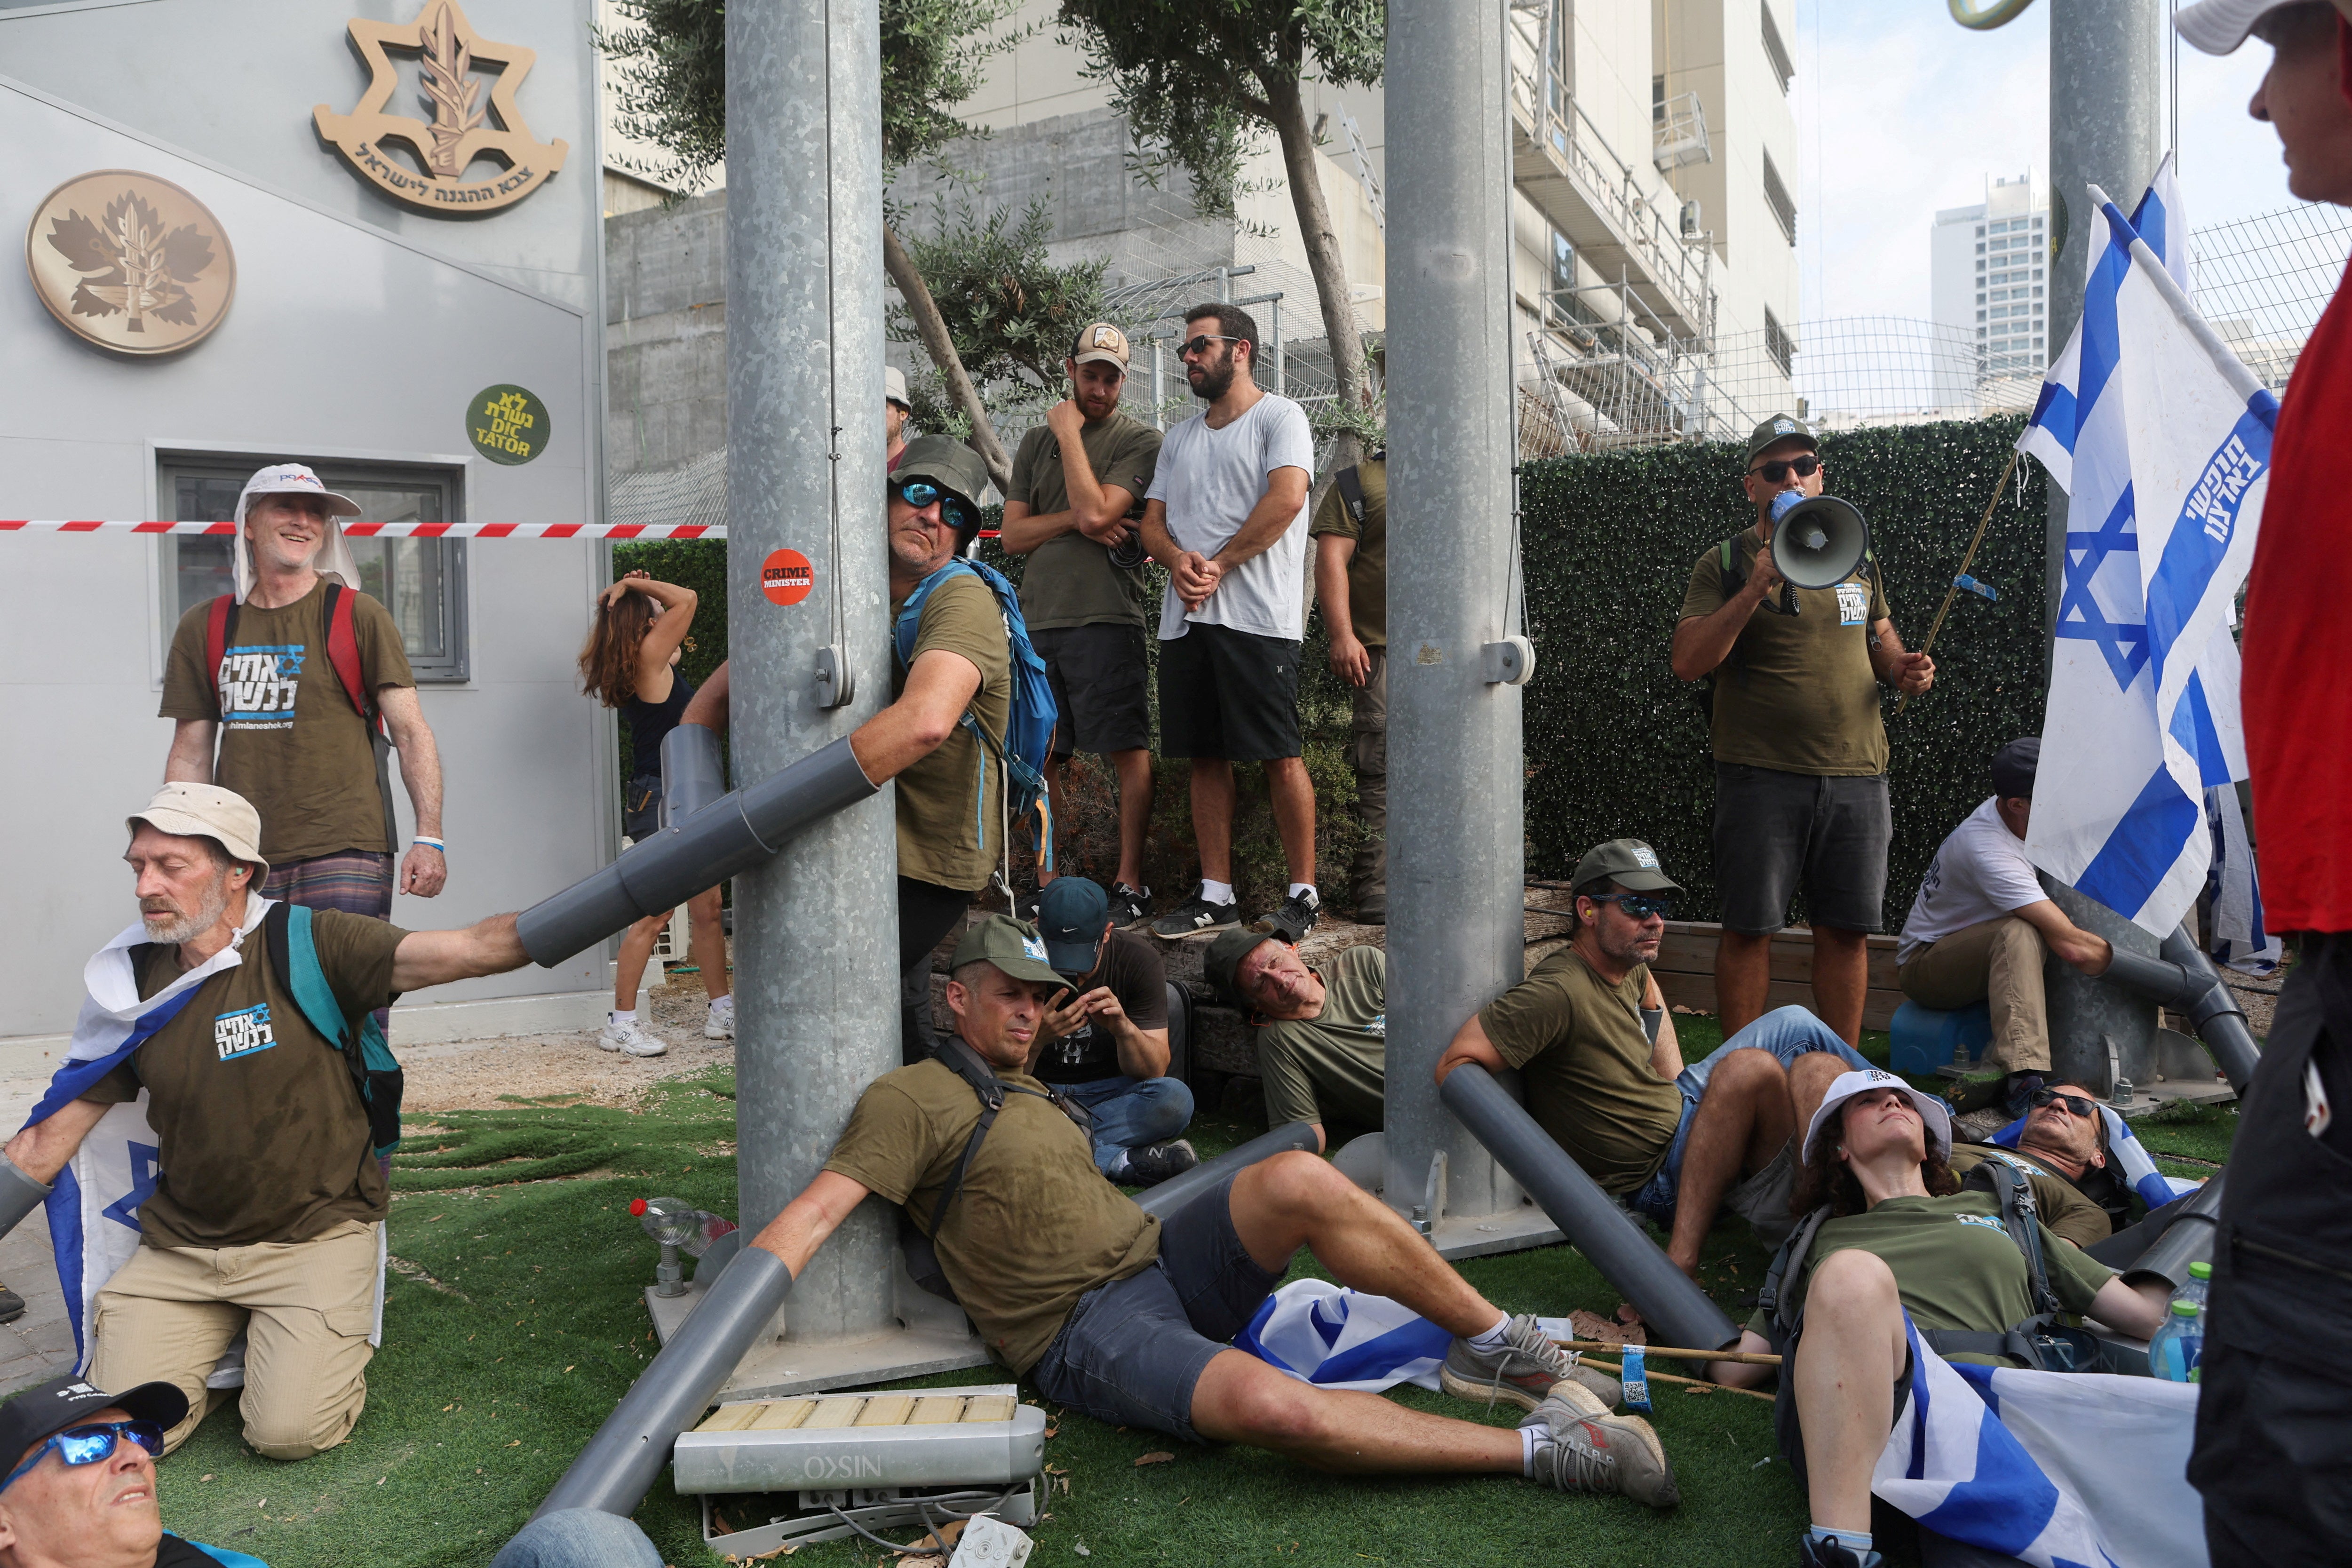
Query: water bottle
{"x": 2199, "y": 1287}
{"x": 2173, "y": 1354}
{"x": 679, "y": 1227}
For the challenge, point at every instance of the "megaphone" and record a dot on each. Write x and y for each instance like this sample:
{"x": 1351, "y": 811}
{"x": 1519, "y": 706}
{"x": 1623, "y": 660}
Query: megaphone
{"x": 1817, "y": 542}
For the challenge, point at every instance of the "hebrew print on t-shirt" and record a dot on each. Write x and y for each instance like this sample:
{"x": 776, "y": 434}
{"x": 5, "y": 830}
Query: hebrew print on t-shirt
{"x": 258, "y": 685}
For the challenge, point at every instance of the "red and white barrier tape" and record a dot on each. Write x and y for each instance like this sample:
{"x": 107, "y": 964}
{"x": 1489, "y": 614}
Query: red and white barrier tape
{"x": 407, "y": 530}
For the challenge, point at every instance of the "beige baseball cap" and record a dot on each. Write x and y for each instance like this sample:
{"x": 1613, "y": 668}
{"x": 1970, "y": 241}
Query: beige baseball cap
{"x": 1101, "y": 343}
{"x": 206, "y": 811}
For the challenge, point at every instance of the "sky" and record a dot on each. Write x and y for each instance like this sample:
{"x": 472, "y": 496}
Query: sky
{"x": 1902, "y": 111}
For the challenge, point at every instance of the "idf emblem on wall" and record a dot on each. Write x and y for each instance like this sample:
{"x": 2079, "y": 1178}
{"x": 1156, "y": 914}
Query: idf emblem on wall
{"x": 131, "y": 262}
{"x": 464, "y": 128}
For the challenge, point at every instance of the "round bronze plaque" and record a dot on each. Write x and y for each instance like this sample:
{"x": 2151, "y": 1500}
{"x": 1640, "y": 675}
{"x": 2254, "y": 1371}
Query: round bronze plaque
{"x": 130, "y": 261}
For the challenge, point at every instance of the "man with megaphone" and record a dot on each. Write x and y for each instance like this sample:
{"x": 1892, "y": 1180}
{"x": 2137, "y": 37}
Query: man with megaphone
{"x": 1790, "y": 619}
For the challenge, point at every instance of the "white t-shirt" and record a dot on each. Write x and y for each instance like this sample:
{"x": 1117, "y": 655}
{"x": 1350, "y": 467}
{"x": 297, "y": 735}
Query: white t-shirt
{"x": 1209, "y": 480}
{"x": 1980, "y": 874}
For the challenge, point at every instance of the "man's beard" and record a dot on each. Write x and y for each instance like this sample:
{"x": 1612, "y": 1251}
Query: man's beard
{"x": 1214, "y": 383}
{"x": 208, "y": 912}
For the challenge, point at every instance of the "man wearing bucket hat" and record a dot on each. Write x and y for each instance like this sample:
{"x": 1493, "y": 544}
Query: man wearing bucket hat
{"x": 1899, "y": 1236}
{"x": 265, "y": 676}
{"x": 255, "y": 1160}
{"x": 1676, "y": 1143}
{"x": 895, "y": 412}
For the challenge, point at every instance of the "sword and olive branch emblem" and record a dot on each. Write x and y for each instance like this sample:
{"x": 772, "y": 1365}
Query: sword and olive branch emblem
{"x": 130, "y": 261}
{"x": 134, "y": 265}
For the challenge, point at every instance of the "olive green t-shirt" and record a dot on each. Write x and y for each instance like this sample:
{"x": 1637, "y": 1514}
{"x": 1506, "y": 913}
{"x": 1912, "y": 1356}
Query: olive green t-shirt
{"x": 1580, "y": 1044}
{"x": 1368, "y": 569}
{"x": 941, "y": 809}
{"x": 1034, "y": 1225}
{"x": 1334, "y": 1065}
{"x": 260, "y": 1133}
{"x": 2064, "y": 1208}
{"x": 290, "y": 741}
{"x": 1796, "y": 694}
{"x": 1069, "y": 581}
{"x": 1954, "y": 1264}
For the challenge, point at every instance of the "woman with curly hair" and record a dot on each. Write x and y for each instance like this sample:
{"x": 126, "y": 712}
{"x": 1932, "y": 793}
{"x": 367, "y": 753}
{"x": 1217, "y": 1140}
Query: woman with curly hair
{"x": 630, "y": 663}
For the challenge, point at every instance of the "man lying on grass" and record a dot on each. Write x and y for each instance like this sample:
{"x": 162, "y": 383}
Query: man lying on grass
{"x": 1127, "y": 1318}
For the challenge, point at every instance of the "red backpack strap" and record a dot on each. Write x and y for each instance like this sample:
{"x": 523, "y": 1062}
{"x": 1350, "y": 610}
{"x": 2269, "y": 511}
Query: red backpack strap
{"x": 344, "y": 652}
{"x": 220, "y": 625}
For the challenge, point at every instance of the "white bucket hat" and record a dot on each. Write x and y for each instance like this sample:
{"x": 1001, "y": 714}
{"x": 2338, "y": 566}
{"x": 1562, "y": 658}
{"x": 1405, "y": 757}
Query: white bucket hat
{"x": 2218, "y": 27}
{"x": 334, "y": 558}
{"x": 1933, "y": 1115}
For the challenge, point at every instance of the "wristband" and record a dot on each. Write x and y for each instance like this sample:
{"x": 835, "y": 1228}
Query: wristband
{"x": 434, "y": 843}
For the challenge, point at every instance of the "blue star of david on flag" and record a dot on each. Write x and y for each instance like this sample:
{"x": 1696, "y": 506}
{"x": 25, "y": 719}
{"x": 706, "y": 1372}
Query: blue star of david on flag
{"x": 2080, "y": 615}
{"x": 144, "y": 1158}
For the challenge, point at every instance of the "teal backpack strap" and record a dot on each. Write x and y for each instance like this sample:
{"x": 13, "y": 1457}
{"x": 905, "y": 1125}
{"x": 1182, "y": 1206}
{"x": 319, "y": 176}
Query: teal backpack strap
{"x": 294, "y": 956}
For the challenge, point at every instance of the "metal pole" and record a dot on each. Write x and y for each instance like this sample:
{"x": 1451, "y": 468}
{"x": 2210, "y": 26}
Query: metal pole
{"x": 1274, "y": 326}
{"x": 1159, "y": 421}
{"x": 816, "y": 978}
{"x": 1455, "y": 828}
{"x": 2106, "y": 77}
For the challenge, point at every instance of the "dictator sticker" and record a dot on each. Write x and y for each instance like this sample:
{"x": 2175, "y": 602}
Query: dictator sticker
{"x": 786, "y": 577}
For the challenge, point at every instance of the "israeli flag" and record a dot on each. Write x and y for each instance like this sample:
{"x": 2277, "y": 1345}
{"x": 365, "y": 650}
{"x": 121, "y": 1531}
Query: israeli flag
{"x": 2155, "y": 1188}
{"x": 2166, "y": 468}
{"x": 2060, "y": 1469}
{"x": 1333, "y": 1337}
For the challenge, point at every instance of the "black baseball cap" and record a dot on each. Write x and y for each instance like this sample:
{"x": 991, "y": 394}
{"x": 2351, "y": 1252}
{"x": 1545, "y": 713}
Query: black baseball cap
{"x": 2013, "y": 767}
{"x": 1072, "y": 912}
{"x": 1223, "y": 962}
{"x": 1628, "y": 862}
{"x": 64, "y": 1402}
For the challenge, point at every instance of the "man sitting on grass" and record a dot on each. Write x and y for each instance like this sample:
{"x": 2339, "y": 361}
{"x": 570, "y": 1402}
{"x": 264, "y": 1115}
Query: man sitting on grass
{"x": 1322, "y": 1033}
{"x": 1128, "y": 1317}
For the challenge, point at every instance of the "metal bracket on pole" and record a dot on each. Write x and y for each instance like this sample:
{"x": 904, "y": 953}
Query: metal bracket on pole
{"x": 837, "y": 679}
{"x": 1510, "y": 662}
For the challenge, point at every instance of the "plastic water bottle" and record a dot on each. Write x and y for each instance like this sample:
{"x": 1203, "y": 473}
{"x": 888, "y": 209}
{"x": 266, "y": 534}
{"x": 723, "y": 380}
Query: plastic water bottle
{"x": 2174, "y": 1352}
{"x": 674, "y": 1221}
{"x": 2199, "y": 1288}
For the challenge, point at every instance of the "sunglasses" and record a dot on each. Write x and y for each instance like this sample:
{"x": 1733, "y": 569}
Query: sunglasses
{"x": 88, "y": 1445}
{"x": 1804, "y": 467}
{"x": 1638, "y": 906}
{"x": 1193, "y": 347}
{"x": 2075, "y": 1103}
{"x": 954, "y": 511}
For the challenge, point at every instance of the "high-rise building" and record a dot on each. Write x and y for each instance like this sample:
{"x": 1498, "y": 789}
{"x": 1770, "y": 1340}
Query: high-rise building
{"x": 1988, "y": 267}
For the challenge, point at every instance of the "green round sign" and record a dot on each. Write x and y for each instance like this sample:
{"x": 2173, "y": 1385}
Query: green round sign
{"x": 508, "y": 423}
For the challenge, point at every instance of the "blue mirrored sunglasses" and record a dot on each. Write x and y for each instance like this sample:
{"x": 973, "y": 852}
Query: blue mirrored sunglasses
{"x": 88, "y": 1445}
{"x": 1639, "y": 906}
{"x": 953, "y": 511}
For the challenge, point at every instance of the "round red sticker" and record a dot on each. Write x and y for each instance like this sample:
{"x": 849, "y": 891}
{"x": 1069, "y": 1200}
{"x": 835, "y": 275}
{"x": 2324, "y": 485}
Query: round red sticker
{"x": 786, "y": 577}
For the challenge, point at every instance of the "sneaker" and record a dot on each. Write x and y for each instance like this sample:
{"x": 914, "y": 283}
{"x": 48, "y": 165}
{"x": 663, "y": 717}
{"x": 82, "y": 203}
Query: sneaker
{"x": 630, "y": 1039}
{"x": 1153, "y": 1163}
{"x": 1293, "y": 917}
{"x": 1525, "y": 1371}
{"x": 1129, "y": 906}
{"x": 1197, "y": 916}
{"x": 12, "y": 1306}
{"x": 1996, "y": 1089}
{"x": 718, "y": 1024}
{"x": 1816, "y": 1554}
{"x": 1580, "y": 1450}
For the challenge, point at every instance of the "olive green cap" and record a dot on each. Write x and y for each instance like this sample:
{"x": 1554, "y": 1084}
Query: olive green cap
{"x": 1225, "y": 963}
{"x": 1628, "y": 862}
{"x": 946, "y": 462}
{"x": 1014, "y": 946}
{"x": 1780, "y": 427}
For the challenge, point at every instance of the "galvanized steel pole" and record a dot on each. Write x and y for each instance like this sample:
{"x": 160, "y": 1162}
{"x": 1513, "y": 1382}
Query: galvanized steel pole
{"x": 1455, "y": 859}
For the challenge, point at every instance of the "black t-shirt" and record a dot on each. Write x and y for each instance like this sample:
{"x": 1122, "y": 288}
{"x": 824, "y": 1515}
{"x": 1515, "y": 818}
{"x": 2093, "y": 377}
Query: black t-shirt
{"x": 1137, "y": 977}
{"x": 2103, "y": 1188}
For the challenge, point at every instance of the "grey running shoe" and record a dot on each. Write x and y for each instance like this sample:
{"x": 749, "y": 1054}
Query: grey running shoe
{"x": 1129, "y": 906}
{"x": 1153, "y": 1163}
{"x": 1197, "y": 916}
{"x": 1524, "y": 1370}
{"x": 1293, "y": 917}
{"x": 1579, "y": 1451}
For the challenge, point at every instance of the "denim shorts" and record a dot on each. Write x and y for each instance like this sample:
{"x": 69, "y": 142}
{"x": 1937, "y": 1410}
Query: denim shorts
{"x": 1131, "y": 1351}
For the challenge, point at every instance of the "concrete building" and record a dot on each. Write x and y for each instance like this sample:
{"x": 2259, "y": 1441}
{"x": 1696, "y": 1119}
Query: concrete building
{"x": 361, "y": 330}
{"x": 1986, "y": 277}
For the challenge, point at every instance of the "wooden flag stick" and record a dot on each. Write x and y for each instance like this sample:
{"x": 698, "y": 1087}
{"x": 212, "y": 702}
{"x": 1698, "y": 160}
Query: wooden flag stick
{"x": 1952, "y": 589}
{"x": 1751, "y": 1358}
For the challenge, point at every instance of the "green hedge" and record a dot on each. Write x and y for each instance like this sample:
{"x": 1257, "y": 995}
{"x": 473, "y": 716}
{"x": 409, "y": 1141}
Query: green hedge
{"x": 1616, "y": 745}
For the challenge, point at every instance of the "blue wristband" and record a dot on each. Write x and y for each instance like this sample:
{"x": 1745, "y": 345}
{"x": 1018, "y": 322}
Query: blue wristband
{"x": 435, "y": 843}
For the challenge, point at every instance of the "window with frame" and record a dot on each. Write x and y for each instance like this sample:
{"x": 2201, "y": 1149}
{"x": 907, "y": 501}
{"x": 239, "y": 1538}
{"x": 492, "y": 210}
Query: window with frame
{"x": 1779, "y": 343}
{"x": 422, "y": 582}
{"x": 1777, "y": 197}
{"x": 1784, "y": 65}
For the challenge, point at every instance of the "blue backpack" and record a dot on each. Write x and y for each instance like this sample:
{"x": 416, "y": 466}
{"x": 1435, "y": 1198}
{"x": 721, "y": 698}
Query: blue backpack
{"x": 1029, "y": 728}
{"x": 294, "y": 958}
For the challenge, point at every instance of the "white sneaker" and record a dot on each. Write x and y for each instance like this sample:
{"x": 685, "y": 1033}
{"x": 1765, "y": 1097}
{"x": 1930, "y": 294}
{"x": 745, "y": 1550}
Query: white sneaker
{"x": 718, "y": 1024}
{"x": 630, "y": 1039}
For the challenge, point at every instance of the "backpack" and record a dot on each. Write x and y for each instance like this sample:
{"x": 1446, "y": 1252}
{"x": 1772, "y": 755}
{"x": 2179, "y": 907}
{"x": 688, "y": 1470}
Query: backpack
{"x": 294, "y": 958}
{"x": 1727, "y": 559}
{"x": 343, "y": 654}
{"x": 1028, "y": 738}
{"x": 915, "y": 1244}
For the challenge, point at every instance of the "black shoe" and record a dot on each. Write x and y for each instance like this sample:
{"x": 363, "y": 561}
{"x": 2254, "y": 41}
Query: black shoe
{"x": 1816, "y": 1554}
{"x": 1293, "y": 917}
{"x": 1129, "y": 906}
{"x": 1987, "y": 1091}
{"x": 1029, "y": 906}
{"x": 1153, "y": 1163}
{"x": 12, "y": 1306}
{"x": 1197, "y": 916}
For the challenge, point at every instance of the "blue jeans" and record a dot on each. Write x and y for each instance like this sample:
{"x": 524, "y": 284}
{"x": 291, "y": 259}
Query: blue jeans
{"x": 1788, "y": 1033}
{"x": 578, "y": 1538}
{"x": 1130, "y": 1113}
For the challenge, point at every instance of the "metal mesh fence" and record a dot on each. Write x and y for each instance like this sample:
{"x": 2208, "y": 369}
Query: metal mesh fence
{"x": 2263, "y": 281}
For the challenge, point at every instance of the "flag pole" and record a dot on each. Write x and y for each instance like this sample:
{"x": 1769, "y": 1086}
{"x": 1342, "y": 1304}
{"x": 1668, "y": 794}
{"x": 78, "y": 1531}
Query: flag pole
{"x": 1952, "y": 590}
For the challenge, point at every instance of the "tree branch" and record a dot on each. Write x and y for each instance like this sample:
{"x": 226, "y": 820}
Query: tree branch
{"x": 932, "y": 327}
{"x": 1323, "y": 259}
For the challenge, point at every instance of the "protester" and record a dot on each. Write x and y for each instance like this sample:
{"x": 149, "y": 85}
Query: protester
{"x": 269, "y": 1195}
{"x": 1103, "y": 1041}
{"x": 1352, "y": 579}
{"x": 1223, "y": 514}
{"x": 1902, "y": 1237}
{"x": 1799, "y": 750}
{"x": 2270, "y": 1459}
{"x": 82, "y": 1490}
{"x": 1980, "y": 930}
{"x": 895, "y": 412}
{"x": 1322, "y": 1035}
{"x": 1075, "y": 500}
{"x": 1677, "y": 1142}
{"x": 630, "y": 663}
{"x": 1126, "y": 1316}
{"x": 2063, "y": 1147}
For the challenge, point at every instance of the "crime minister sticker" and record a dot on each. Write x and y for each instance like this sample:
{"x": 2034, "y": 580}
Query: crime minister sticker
{"x": 786, "y": 577}
{"x": 508, "y": 425}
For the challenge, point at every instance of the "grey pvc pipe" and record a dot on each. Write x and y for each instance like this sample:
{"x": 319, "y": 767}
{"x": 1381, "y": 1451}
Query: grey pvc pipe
{"x": 693, "y": 775}
{"x": 1677, "y": 1312}
{"x": 617, "y": 1468}
{"x": 19, "y": 1194}
{"x": 733, "y": 834}
{"x": 2214, "y": 1013}
{"x": 1173, "y": 1193}
{"x": 2187, "y": 1239}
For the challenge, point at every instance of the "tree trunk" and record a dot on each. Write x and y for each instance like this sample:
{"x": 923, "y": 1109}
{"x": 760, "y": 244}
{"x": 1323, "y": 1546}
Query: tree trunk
{"x": 932, "y": 327}
{"x": 1323, "y": 261}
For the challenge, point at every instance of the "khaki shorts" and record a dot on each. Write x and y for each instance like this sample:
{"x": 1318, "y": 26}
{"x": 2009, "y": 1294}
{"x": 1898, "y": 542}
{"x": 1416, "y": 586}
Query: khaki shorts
{"x": 1763, "y": 1199}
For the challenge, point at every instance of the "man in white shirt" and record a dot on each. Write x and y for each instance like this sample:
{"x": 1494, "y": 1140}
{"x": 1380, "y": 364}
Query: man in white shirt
{"x": 1226, "y": 515}
{"x": 1981, "y": 928}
